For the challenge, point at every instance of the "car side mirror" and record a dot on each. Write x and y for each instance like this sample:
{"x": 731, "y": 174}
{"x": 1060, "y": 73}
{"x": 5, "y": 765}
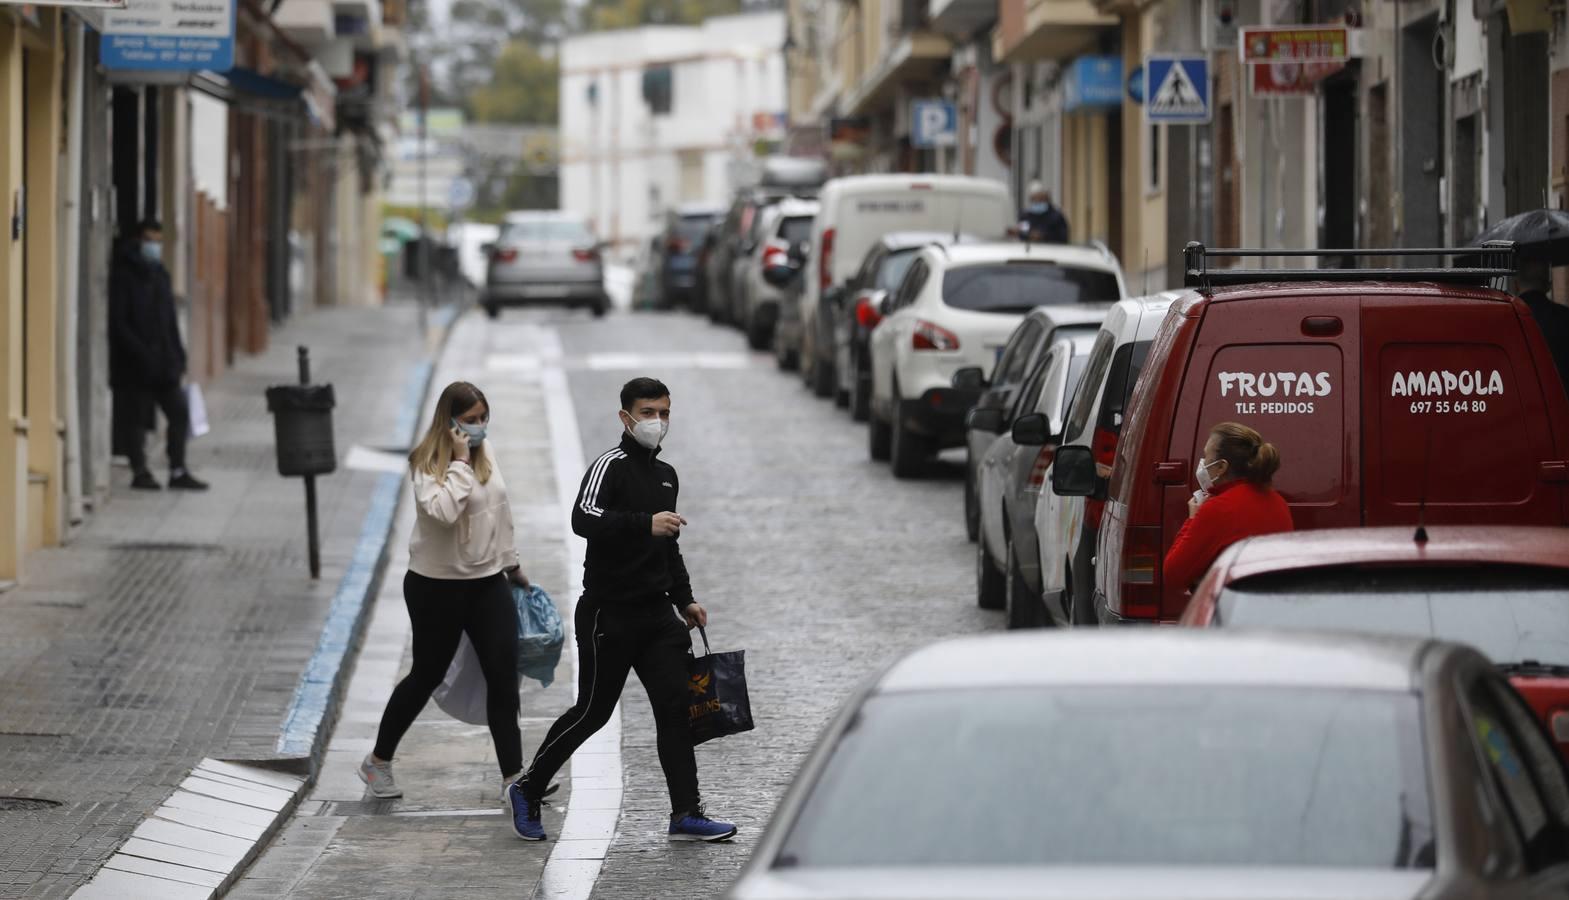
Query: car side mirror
{"x": 1073, "y": 472}
{"x": 1033, "y": 430}
{"x": 987, "y": 419}
{"x": 488, "y": 249}
{"x": 884, "y": 304}
{"x": 834, "y": 297}
{"x": 970, "y": 378}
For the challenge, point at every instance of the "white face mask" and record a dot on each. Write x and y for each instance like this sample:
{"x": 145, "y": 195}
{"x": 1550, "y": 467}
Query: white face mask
{"x": 1206, "y": 480}
{"x": 650, "y": 432}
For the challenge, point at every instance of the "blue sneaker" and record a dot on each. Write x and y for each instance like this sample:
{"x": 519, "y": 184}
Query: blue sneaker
{"x": 526, "y": 821}
{"x": 699, "y": 827}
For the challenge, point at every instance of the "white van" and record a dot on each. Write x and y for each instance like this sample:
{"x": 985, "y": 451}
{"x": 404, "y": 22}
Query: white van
{"x": 855, "y": 213}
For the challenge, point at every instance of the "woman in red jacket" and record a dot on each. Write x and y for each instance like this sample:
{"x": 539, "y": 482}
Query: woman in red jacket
{"x": 1235, "y": 501}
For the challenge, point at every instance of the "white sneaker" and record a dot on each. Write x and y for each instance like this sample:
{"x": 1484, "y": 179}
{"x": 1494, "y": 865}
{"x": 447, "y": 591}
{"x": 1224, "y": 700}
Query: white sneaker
{"x": 379, "y": 777}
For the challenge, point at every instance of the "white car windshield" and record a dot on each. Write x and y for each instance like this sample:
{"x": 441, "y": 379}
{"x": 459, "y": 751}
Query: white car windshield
{"x": 1113, "y": 776}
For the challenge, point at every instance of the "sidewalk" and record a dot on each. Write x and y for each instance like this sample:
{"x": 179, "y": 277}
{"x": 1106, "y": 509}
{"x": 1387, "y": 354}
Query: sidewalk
{"x": 447, "y": 838}
{"x": 176, "y": 626}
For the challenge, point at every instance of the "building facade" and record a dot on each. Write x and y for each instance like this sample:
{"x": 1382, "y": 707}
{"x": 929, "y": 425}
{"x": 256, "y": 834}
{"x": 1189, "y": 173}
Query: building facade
{"x": 264, "y": 177}
{"x": 660, "y": 116}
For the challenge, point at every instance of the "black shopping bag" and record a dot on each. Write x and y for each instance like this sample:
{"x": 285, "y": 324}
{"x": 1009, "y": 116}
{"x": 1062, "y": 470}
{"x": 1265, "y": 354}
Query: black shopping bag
{"x": 718, "y": 702}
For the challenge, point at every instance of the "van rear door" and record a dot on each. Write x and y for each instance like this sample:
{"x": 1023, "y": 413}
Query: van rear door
{"x": 1285, "y": 366}
{"x": 1456, "y": 415}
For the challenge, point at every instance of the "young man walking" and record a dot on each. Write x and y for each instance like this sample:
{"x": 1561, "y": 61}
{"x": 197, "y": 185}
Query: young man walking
{"x": 634, "y": 583}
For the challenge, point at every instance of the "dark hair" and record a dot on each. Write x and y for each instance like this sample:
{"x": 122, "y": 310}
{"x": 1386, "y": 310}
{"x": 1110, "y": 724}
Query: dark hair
{"x": 1246, "y": 453}
{"x": 147, "y": 225}
{"x": 642, "y": 389}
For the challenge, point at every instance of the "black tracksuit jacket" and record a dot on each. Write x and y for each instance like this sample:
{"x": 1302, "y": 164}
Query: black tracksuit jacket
{"x": 615, "y": 509}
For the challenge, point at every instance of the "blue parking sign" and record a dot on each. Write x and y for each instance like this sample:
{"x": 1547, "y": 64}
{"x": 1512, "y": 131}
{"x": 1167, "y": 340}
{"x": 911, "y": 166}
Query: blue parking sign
{"x": 933, "y": 123}
{"x": 1177, "y": 89}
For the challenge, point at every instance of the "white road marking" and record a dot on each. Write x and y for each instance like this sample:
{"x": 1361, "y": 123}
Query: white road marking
{"x": 366, "y": 459}
{"x": 519, "y": 363}
{"x": 573, "y": 868}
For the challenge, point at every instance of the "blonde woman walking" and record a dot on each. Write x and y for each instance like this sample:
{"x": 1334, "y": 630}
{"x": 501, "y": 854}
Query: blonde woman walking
{"x": 461, "y": 558}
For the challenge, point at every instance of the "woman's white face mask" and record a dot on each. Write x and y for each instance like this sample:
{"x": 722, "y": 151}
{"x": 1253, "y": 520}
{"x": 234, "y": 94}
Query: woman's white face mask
{"x": 1201, "y": 472}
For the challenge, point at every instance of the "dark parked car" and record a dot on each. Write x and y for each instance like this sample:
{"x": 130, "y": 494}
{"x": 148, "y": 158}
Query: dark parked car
{"x": 680, "y": 245}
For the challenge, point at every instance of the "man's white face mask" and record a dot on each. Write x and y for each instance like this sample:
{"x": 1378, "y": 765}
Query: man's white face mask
{"x": 650, "y": 432}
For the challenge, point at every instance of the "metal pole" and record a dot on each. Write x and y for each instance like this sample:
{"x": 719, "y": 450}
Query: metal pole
{"x": 424, "y": 210}
{"x": 313, "y": 536}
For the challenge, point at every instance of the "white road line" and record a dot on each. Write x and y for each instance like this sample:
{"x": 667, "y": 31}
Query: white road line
{"x": 572, "y": 870}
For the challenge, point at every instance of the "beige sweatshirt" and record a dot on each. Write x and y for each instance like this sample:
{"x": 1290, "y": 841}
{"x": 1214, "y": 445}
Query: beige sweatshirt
{"x": 462, "y": 529}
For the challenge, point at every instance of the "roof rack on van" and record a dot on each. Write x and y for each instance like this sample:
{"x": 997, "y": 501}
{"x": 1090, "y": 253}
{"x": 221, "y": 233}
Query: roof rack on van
{"x": 1487, "y": 264}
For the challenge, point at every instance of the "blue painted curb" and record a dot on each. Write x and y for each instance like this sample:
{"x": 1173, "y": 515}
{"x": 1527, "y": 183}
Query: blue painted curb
{"x": 317, "y": 696}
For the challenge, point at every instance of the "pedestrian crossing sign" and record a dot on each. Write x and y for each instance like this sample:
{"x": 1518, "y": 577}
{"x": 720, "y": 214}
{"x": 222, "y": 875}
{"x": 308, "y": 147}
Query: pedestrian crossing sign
{"x": 1177, "y": 89}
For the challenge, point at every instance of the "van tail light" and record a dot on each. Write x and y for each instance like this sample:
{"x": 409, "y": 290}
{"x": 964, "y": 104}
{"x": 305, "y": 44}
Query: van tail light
{"x": 585, "y": 254}
{"x": 825, "y": 261}
{"x": 932, "y": 337}
{"x": 866, "y": 315}
{"x": 1140, "y": 575}
{"x": 1103, "y": 445}
{"x": 1043, "y": 462}
{"x": 1560, "y": 725}
{"x": 506, "y": 254}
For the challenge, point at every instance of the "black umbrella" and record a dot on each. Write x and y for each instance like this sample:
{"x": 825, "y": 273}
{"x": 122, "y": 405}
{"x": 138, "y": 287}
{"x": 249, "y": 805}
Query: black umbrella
{"x": 1538, "y": 234}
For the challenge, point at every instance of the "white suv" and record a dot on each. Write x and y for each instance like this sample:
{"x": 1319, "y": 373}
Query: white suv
{"x": 955, "y": 309}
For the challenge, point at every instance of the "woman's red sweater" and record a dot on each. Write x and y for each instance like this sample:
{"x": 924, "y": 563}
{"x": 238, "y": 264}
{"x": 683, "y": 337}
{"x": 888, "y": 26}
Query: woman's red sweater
{"x": 1233, "y": 511}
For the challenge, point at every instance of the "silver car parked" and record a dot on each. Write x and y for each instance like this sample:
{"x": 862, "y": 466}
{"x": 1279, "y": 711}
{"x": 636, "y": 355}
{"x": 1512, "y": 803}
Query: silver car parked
{"x": 549, "y": 258}
{"x": 1175, "y": 764}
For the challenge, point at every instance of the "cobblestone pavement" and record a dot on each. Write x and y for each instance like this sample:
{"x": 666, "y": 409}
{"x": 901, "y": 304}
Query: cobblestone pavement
{"x": 809, "y": 556}
{"x": 175, "y": 626}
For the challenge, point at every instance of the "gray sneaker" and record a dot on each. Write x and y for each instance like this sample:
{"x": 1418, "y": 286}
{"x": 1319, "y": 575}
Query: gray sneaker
{"x": 379, "y": 777}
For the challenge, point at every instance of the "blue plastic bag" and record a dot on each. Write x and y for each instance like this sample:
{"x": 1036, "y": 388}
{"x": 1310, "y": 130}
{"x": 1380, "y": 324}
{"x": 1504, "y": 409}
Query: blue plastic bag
{"x": 540, "y": 634}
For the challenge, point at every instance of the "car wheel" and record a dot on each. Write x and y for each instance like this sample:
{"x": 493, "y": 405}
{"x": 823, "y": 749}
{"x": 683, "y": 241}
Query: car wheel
{"x": 879, "y": 438}
{"x": 492, "y": 311}
{"x": 860, "y": 393}
{"x": 972, "y": 503}
{"x": 907, "y": 450}
{"x": 757, "y": 333}
{"x": 786, "y": 357}
{"x": 989, "y": 584}
{"x": 823, "y": 382}
{"x": 1024, "y": 611}
{"x": 601, "y": 306}
{"x": 1079, "y": 615}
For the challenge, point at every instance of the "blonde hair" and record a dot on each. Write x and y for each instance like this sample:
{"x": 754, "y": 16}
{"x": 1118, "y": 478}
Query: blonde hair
{"x": 433, "y": 454}
{"x": 1247, "y": 453}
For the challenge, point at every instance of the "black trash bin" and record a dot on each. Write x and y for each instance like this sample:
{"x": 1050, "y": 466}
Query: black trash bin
{"x": 302, "y": 424}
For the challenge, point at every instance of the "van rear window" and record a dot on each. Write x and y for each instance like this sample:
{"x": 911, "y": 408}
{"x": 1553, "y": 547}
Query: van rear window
{"x": 1126, "y": 364}
{"x": 1450, "y": 414}
{"x": 1020, "y": 287}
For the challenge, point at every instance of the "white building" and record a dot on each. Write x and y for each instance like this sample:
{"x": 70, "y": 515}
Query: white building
{"x": 628, "y": 154}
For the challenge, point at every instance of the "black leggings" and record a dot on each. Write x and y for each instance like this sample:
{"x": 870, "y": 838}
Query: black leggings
{"x": 612, "y": 640}
{"x": 442, "y": 610}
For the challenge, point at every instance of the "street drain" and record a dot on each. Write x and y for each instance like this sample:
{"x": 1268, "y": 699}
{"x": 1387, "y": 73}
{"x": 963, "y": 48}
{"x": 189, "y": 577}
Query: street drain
{"x": 168, "y": 546}
{"x": 25, "y": 804}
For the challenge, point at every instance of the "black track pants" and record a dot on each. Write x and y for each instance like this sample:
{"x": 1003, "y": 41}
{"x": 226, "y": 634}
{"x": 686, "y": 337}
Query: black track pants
{"x": 614, "y": 639}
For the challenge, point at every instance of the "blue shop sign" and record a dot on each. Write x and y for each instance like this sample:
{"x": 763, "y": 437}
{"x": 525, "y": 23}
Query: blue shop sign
{"x": 1093, "y": 82}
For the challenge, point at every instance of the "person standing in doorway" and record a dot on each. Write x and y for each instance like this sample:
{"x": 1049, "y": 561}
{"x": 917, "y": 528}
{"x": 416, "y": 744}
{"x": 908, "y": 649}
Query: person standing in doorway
{"x": 1040, "y": 221}
{"x": 462, "y": 563}
{"x": 635, "y": 614}
{"x": 147, "y": 358}
{"x": 1534, "y": 281}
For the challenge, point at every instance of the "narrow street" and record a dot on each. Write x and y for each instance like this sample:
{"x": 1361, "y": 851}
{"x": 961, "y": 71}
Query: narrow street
{"x": 807, "y": 555}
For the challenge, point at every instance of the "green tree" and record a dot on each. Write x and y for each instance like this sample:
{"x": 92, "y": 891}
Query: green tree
{"x": 522, "y": 89}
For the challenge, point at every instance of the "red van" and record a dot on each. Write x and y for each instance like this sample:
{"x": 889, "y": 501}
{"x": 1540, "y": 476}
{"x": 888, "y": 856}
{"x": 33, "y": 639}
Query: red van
{"x": 1392, "y": 394}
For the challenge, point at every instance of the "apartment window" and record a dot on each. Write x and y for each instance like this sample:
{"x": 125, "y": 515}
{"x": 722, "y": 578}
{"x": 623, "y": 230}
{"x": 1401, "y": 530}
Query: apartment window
{"x": 659, "y": 89}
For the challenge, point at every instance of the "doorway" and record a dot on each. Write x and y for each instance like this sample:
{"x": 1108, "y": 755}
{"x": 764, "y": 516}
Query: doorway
{"x": 1338, "y": 226}
{"x": 1422, "y": 87}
